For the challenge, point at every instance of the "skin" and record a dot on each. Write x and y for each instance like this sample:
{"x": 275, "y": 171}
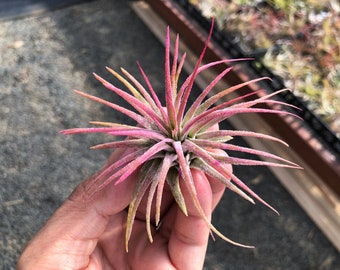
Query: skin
{"x": 89, "y": 233}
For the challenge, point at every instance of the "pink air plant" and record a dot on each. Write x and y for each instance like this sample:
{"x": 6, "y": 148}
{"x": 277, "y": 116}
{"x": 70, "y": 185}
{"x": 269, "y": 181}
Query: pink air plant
{"x": 168, "y": 141}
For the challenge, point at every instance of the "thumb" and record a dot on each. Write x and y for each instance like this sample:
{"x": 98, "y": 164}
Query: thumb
{"x": 72, "y": 232}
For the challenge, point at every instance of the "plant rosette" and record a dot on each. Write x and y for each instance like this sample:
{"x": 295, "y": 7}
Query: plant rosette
{"x": 168, "y": 141}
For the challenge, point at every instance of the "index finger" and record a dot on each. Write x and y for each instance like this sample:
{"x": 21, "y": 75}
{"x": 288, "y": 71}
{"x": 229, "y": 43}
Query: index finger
{"x": 189, "y": 236}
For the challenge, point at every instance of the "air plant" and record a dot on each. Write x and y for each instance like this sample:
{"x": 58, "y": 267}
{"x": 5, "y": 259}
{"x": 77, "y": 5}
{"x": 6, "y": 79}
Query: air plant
{"x": 169, "y": 140}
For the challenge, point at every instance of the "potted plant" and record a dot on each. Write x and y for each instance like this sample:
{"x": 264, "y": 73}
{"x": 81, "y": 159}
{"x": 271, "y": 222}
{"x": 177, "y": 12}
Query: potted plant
{"x": 296, "y": 40}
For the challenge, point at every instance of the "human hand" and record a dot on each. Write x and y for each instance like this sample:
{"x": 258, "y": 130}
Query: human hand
{"x": 90, "y": 234}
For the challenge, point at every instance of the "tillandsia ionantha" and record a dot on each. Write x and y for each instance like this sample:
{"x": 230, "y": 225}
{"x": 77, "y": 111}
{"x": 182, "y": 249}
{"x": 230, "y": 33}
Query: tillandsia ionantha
{"x": 169, "y": 140}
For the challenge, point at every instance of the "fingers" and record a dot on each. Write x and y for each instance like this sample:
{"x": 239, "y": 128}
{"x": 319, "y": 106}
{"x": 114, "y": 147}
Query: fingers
{"x": 71, "y": 234}
{"x": 108, "y": 200}
{"x": 189, "y": 237}
{"x": 89, "y": 215}
{"x": 217, "y": 187}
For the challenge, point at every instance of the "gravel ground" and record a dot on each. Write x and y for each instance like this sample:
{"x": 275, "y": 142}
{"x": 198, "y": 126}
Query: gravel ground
{"x": 42, "y": 59}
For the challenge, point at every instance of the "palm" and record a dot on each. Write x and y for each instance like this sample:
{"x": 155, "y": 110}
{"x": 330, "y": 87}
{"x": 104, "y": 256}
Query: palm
{"x": 110, "y": 250}
{"x": 90, "y": 234}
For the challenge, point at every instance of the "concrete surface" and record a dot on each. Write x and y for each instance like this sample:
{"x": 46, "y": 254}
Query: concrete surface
{"x": 42, "y": 58}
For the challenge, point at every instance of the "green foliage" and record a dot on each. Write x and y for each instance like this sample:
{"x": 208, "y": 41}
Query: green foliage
{"x": 302, "y": 39}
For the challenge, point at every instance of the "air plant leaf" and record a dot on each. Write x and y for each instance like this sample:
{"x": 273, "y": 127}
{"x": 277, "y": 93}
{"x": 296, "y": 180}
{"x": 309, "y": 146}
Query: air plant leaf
{"x": 171, "y": 139}
{"x": 173, "y": 182}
